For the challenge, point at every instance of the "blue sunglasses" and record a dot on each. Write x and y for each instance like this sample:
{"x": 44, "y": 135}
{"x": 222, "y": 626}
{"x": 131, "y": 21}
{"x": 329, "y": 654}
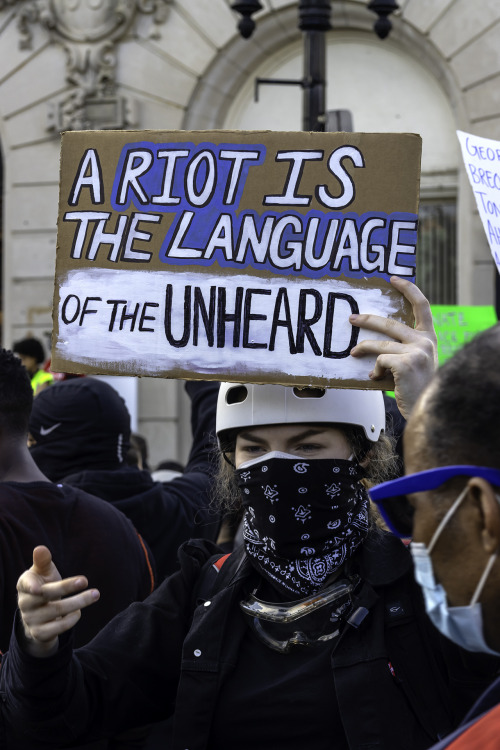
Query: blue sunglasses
{"x": 390, "y": 497}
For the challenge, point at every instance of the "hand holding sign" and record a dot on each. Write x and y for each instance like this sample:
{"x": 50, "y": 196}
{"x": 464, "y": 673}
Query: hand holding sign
{"x": 410, "y": 355}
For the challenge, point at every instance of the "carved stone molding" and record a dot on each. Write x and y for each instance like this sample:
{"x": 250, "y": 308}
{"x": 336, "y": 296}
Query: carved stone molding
{"x": 87, "y": 21}
{"x": 88, "y": 30}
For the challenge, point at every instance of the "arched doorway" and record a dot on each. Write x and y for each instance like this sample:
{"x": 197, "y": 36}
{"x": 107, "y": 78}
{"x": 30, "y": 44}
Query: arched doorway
{"x": 386, "y": 90}
{"x": 398, "y": 85}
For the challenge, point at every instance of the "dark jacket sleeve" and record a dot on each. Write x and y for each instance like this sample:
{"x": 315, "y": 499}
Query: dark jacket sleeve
{"x": 193, "y": 513}
{"x": 203, "y": 395}
{"x": 126, "y": 676}
{"x": 187, "y": 500}
{"x": 167, "y": 514}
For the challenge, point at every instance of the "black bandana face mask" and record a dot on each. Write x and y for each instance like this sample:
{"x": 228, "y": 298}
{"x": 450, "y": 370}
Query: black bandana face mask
{"x": 303, "y": 518}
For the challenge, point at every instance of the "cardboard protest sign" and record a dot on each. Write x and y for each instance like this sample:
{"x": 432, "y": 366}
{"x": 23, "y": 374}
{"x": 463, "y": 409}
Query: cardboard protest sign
{"x": 457, "y": 324}
{"x": 231, "y": 255}
{"x": 482, "y": 162}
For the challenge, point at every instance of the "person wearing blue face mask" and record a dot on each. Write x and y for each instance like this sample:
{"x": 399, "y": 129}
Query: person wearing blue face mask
{"x": 449, "y": 504}
{"x": 312, "y": 634}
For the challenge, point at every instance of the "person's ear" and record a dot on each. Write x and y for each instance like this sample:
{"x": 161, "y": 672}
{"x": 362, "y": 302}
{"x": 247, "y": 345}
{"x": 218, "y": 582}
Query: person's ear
{"x": 489, "y": 507}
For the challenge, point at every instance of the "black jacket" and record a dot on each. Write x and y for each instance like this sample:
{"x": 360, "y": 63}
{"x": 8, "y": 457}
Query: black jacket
{"x": 85, "y": 535}
{"x": 166, "y": 515}
{"x": 174, "y": 649}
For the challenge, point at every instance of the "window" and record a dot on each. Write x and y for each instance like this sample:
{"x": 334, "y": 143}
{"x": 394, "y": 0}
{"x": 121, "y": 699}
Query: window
{"x": 436, "y": 251}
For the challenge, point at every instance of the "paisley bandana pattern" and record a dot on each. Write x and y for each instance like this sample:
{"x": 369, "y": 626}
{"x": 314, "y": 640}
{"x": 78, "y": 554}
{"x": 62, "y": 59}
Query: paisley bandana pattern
{"x": 303, "y": 519}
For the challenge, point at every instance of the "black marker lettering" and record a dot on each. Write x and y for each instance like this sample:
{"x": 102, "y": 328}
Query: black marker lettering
{"x": 208, "y": 316}
{"x": 248, "y": 316}
{"x": 330, "y": 311}
{"x": 145, "y": 317}
{"x": 177, "y": 343}
{"x": 126, "y": 315}
{"x": 304, "y": 323}
{"x": 85, "y": 311}
{"x": 282, "y": 299}
{"x": 64, "y": 309}
{"x": 224, "y": 317}
{"x": 114, "y": 311}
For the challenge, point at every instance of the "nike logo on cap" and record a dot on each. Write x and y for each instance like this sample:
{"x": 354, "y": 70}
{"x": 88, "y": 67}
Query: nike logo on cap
{"x": 48, "y": 430}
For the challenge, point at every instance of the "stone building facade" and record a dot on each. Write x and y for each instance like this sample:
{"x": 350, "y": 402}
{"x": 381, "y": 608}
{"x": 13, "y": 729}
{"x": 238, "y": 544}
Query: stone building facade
{"x": 181, "y": 64}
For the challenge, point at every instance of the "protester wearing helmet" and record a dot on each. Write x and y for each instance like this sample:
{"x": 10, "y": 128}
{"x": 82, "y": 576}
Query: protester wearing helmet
{"x": 262, "y": 430}
{"x": 312, "y": 634}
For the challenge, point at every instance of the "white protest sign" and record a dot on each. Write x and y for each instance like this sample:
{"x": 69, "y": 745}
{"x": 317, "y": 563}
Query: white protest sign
{"x": 482, "y": 162}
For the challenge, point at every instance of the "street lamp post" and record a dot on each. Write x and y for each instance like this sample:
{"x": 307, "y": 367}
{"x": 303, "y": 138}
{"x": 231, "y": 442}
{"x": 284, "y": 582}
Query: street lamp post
{"x": 314, "y": 21}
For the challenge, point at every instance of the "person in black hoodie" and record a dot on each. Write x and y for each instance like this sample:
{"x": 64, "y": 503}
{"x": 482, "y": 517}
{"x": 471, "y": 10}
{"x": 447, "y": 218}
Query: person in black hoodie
{"x": 84, "y": 532}
{"x": 80, "y": 431}
{"x": 81, "y": 529}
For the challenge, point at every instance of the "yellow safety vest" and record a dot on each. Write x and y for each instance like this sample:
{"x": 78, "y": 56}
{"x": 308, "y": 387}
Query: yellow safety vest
{"x": 40, "y": 376}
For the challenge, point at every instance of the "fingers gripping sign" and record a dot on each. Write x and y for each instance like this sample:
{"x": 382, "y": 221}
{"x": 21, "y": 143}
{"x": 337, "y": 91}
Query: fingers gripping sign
{"x": 410, "y": 356}
{"x": 49, "y": 605}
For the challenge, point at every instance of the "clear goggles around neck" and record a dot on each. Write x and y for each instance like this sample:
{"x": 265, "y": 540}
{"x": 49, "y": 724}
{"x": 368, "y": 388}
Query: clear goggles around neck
{"x": 310, "y": 621}
{"x": 391, "y": 497}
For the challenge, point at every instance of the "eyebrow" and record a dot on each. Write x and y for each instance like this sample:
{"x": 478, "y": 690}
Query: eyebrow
{"x": 312, "y": 431}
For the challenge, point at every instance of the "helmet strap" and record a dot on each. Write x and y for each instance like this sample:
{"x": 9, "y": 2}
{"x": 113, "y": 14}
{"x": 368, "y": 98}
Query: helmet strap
{"x": 228, "y": 460}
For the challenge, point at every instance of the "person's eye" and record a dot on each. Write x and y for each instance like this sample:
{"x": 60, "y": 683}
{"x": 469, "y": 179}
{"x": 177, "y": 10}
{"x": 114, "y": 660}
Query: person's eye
{"x": 252, "y": 448}
{"x": 309, "y": 447}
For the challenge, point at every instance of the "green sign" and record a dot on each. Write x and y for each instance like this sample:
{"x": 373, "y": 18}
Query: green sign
{"x": 457, "y": 324}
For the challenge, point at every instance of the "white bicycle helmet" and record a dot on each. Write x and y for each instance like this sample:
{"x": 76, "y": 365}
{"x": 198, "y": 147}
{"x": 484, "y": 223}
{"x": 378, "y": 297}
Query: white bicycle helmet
{"x": 245, "y": 405}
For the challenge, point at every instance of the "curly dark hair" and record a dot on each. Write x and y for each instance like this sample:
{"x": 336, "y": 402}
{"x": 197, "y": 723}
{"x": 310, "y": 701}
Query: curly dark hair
{"x": 16, "y": 395}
